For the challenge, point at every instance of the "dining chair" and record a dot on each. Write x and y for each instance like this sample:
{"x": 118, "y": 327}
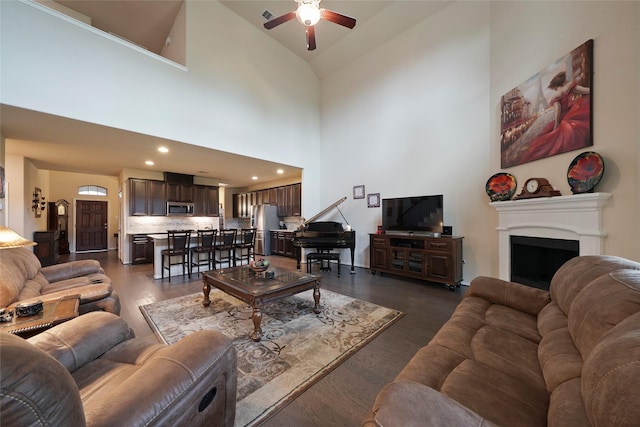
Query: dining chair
{"x": 178, "y": 242}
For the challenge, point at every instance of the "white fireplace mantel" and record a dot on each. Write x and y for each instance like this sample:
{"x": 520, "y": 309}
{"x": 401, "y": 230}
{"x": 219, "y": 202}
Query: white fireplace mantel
{"x": 576, "y": 217}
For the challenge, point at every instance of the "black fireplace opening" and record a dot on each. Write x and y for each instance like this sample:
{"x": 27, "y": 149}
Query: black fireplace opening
{"x": 534, "y": 260}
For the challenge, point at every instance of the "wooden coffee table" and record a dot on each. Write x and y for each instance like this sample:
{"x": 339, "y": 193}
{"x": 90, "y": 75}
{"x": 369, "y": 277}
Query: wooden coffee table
{"x": 255, "y": 289}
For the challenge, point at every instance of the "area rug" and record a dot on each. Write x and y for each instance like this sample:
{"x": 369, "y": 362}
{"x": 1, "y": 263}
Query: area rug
{"x": 298, "y": 348}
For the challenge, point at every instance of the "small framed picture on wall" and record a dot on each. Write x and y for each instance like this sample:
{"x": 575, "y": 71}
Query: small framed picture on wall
{"x": 358, "y": 192}
{"x": 373, "y": 200}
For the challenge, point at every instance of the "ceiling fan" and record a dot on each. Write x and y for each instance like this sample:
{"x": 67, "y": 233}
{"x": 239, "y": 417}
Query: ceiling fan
{"x": 308, "y": 14}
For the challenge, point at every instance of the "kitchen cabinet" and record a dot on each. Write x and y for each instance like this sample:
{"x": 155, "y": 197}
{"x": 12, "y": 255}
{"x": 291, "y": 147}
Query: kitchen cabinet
{"x": 435, "y": 259}
{"x": 235, "y": 205}
{"x": 281, "y": 200}
{"x": 263, "y": 198}
{"x": 274, "y": 243}
{"x": 157, "y": 202}
{"x": 212, "y": 201}
{"x": 139, "y": 192}
{"x": 288, "y": 198}
{"x": 241, "y": 207}
{"x": 273, "y": 196}
{"x": 296, "y": 200}
{"x": 180, "y": 192}
{"x": 206, "y": 200}
{"x": 141, "y": 249}
{"x": 199, "y": 200}
{"x": 147, "y": 197}
{"x": 282, "y": 243}
{"x": 289, "y": 249}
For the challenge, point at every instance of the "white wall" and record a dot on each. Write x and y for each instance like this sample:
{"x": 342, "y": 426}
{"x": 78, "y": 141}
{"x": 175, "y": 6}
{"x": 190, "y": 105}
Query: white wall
{"x": 412, "y": 118}
{"x": 3, "y": 212}
{"x": 420, "y": 115}
{"x": 22, "y": 177}
{"x": 520, "y": 47}
{"x": 241, "y": 92}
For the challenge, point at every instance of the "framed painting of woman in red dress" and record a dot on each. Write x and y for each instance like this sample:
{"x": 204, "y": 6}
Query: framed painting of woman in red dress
{"x": 550, "y": 113}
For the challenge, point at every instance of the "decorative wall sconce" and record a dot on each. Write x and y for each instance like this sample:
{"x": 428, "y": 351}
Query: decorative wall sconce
{"x": 38, "y": 203}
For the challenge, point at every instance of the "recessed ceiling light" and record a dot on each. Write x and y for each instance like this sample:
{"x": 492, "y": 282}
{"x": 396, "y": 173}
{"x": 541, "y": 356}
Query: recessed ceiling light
{"x": 149, "y": 163}
{"x": 163, "y": 149}
{"x": 280, "y": 171}
{"x": 254, "y": 178}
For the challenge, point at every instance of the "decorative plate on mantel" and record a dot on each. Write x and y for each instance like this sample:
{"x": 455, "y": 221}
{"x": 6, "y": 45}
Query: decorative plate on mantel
{"x": 501, "y": 186}
{"x": 585, "y": 172}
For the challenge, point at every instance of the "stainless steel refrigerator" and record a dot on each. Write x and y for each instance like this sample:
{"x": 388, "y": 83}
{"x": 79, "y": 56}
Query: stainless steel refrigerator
{"x": 264, "y": 218}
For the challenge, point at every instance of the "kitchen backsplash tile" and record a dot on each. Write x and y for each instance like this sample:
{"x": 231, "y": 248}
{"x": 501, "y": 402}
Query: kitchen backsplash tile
{"x": 160, "y": 224}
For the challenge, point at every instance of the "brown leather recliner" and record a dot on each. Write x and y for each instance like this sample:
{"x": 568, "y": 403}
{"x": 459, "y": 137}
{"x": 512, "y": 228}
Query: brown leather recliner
{"x": 90, "y": 371}
{"x": 23, "y": 279}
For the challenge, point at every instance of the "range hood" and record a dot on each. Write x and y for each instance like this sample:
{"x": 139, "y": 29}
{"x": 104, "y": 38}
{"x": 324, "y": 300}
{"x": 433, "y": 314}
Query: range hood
{"x": 178, "y": 178}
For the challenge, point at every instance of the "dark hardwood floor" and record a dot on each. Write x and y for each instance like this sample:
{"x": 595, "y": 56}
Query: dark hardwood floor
{"x": 344, "y": 396}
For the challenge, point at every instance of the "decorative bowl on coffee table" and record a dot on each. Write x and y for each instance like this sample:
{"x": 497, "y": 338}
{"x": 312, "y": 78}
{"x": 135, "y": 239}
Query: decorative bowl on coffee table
{"x": 259, "y": 266}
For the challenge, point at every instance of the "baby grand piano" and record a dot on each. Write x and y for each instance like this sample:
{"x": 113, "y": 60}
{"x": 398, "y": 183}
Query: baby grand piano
{"x": 324, "y": 236}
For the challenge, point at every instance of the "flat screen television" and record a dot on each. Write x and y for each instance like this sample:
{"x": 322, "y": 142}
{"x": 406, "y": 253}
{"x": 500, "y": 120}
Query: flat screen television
{"x": 409, "y": 214}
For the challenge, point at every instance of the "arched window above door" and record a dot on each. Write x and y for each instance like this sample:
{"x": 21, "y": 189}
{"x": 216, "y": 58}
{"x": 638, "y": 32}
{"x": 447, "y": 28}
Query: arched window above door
{"x": 92, "y": 190}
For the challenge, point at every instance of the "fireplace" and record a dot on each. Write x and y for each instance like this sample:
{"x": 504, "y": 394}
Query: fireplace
{"x": 535, "y": 260}
{"x": 577, "y": 217}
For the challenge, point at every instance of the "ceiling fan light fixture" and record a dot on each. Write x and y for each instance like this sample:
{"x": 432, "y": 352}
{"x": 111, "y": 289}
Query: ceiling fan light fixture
{"x": 308, "y": 12}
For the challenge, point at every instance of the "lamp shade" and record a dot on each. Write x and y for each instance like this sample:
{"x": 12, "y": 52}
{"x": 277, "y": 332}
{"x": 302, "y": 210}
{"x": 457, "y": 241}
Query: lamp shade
{"x": 11, "y": 239}
{"x": 308, "y": 13}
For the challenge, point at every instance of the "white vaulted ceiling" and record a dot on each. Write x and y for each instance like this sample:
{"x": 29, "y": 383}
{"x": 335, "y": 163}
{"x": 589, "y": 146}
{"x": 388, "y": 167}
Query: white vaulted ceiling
{"x": 55, "y": 142}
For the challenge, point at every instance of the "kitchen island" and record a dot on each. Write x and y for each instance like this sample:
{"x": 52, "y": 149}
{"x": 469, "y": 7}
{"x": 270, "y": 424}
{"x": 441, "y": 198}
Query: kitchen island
{"x": 161, "y": 242}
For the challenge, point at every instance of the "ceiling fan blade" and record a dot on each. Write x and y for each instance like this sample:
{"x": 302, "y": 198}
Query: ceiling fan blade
{"x": 338, "y": 18}
{"x": 311, "y": 38}
{"x": 279, "y": 20}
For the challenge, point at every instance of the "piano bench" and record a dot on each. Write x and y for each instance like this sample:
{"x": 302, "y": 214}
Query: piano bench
{"x": 322, "y": 257}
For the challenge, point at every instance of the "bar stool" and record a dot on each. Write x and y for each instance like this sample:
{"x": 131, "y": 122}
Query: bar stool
{"x": 225, "y": 247}
{"x": 178, "y": 246}
{"x": 205, "y": 246}
{"x": 245, "y": 247}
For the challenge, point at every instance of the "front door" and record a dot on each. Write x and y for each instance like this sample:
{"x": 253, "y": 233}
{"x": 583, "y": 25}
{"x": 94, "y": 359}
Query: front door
{"x": 91, "y": 226}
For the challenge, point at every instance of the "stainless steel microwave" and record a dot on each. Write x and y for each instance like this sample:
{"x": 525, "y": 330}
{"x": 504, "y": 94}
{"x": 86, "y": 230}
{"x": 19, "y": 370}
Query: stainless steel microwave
{"x": 180, "y": 209}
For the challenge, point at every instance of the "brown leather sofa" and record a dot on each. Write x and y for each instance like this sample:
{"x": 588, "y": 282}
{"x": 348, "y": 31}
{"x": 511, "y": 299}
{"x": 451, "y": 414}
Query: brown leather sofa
{"x": 512, "y": 355}
{"x": 90, "y": 371}
{"x": 23, "y": 279}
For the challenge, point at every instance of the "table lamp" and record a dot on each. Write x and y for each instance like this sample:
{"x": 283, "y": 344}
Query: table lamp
{"x": 11, "y": 239}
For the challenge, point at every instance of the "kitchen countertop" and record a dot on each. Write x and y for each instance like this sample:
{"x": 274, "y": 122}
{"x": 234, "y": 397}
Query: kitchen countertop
{"x": 156, "y": 236}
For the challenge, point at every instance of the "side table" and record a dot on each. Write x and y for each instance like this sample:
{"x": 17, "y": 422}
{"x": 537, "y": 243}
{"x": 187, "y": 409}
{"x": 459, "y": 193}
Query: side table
{"x": 53, "y": 312}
